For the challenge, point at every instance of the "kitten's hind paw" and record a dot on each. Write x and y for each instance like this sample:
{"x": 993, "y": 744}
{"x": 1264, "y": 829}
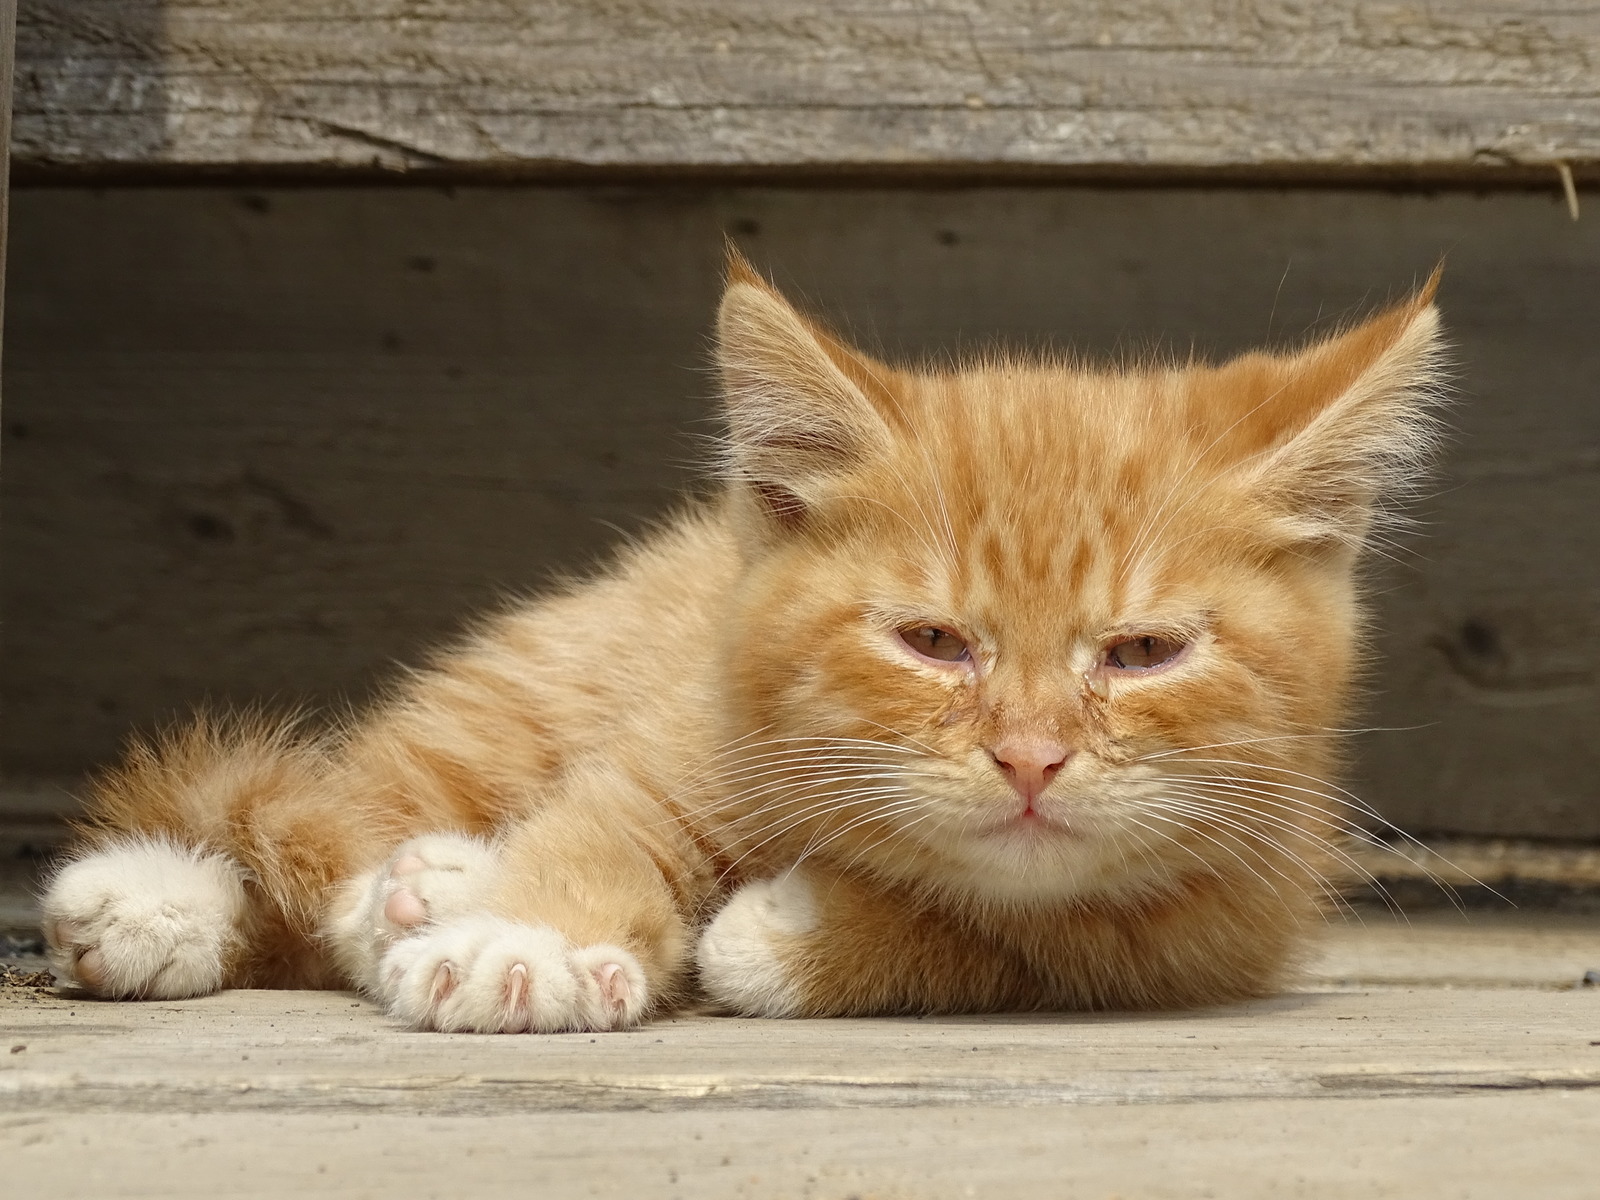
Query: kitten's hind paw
{"x": 145, "y": 919}
{"x": 486, "y": 974}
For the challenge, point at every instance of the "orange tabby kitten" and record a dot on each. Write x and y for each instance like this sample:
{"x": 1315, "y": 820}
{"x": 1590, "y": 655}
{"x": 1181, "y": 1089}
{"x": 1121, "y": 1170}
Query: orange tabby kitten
{"x": 1007, "y": 686}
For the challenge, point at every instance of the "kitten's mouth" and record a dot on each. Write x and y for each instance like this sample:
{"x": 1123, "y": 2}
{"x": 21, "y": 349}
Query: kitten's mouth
{"x": 1033, "y": 823}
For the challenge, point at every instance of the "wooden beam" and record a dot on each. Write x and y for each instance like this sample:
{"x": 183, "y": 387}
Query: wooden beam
{"x": 1198, "y": 85}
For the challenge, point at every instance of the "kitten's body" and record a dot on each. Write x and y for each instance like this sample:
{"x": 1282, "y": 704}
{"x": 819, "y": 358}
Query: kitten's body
{"x": 730, "y": 750}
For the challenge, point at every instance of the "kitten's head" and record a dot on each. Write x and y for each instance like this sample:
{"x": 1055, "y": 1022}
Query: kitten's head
{"x": 1030, "y": 630}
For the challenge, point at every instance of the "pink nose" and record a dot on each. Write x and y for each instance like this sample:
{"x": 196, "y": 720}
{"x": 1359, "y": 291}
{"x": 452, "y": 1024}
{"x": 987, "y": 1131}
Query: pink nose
{"x": 1029, "y": 763}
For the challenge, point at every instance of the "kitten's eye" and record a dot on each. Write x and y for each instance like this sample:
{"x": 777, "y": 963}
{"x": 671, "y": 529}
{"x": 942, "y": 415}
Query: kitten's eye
{"x": 939, "y": 644}
{"x": 1142, "y": 653}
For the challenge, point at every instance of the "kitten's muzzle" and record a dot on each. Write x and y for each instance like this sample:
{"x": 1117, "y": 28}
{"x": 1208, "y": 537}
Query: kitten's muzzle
{"x": 1030, "y": 764}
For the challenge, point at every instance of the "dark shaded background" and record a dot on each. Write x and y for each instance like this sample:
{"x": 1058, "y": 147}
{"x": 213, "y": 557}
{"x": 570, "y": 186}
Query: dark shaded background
{"x": 263, "y": 444}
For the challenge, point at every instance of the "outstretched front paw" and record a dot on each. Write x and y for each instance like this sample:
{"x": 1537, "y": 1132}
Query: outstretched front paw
{"x": 747, "y": 955}
{"x": 486, "y": 974}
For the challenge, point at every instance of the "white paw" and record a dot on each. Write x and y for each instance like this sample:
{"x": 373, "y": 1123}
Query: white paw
{"x": 740, "y": 953}
{"x": 427, "y": 880}
{"x": 145, "y": 919}
{"x": 486, "y": 974}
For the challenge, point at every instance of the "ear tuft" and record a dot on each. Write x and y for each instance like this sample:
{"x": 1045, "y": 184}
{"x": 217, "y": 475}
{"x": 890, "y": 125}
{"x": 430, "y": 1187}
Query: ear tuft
{"x": 736, "y": 268}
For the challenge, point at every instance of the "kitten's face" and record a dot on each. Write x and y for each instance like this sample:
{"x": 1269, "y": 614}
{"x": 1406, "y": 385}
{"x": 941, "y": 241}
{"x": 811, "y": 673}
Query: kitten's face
{"x": 1035, "y": 632}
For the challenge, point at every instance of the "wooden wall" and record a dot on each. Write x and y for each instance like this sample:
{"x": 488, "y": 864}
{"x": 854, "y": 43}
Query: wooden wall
{"x": 1285, "y": 86}
{"x": 262, "y": 444}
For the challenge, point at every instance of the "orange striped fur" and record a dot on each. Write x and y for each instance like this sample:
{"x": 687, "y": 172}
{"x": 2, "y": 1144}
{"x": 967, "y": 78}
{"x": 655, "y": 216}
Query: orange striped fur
{"x": 733, "y": 697}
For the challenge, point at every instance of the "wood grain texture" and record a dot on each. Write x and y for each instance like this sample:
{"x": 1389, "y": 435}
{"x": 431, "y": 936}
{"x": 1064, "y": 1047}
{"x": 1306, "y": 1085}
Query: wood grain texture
{"x": 429, "y": 84}
{"x": 1468, "y": 1093}
{"x": 1479, "y": 1147}
{"x": 332, "y": 1053}
{"x": 263, "y": 445}
{"x": 1406, "y": 1078}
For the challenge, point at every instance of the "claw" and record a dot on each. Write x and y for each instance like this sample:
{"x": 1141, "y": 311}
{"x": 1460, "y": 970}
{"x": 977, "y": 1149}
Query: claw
{"x": 444, "y": 982}
{"x": 614, "y": 987}
{"x": 517, "y": 988}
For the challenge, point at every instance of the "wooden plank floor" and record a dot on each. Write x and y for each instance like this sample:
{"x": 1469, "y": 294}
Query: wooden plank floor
{"x": 1447, "y": 1057}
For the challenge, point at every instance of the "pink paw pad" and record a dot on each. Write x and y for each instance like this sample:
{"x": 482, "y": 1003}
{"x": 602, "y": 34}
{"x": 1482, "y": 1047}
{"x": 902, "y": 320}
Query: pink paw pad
{"x": 90, "y": 968}
{"x": 88, "y": 964}
{"x": 405, "y": 908}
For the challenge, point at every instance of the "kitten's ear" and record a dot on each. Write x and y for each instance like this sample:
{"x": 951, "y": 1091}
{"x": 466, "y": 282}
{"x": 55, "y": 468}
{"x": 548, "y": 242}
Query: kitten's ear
{"x": 797, "y": 399}
{"x": 1353, "y": 424}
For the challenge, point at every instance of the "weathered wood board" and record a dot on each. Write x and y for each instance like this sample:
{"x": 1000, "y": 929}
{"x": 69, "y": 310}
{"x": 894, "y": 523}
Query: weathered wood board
{"x": 1139, "y": 84}
{"x": 1423, "y": 1090}
{"x": 1479, "y": 1147}
{"x": 262, "y": 445}
{"x": 332, "y": 1052}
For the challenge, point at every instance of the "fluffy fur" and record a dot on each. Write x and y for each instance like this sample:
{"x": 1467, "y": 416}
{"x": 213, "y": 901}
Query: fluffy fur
{"x": 724, "y": 762}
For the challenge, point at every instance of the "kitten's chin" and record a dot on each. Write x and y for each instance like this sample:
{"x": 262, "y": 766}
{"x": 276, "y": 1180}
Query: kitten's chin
{"x": 1035, "y": 861}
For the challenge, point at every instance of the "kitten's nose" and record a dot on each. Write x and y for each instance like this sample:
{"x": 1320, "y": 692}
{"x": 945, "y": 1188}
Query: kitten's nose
{"x": 1029, "y": 763}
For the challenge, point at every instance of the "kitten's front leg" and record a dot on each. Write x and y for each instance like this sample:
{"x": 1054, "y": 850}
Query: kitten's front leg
{"x": 812, "y": 943}
{"x": 418, "y": 933}
{"x": 578, "y": 927}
